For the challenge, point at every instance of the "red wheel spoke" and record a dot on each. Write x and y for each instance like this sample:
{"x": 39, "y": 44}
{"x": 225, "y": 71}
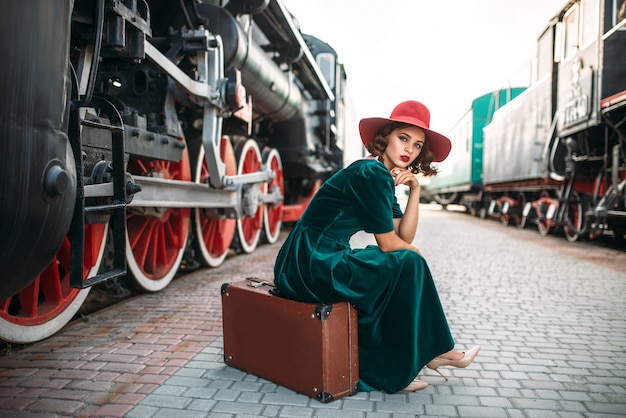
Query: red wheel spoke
{"x": 50, "y": 282}
{"x": 140, "y": 231}
{"x": 160, "y": 255}
{"x": 28, "y": 299}
{"x": 170, "y": 233}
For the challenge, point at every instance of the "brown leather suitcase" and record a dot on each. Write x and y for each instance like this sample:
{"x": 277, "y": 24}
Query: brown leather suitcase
{"x": 307, "y": 347}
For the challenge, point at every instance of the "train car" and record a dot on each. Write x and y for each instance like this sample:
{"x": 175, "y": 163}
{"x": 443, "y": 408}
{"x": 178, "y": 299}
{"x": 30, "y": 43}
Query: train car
{"x": 460, "y": 177}
{"x": 554, "y": 155}
{"x": 139, "y": 133}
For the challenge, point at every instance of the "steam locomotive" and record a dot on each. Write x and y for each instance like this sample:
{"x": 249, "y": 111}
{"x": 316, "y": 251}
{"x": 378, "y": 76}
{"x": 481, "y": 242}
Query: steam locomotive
{"x": 554, "y": 155}
{"x": 138, "y": 133}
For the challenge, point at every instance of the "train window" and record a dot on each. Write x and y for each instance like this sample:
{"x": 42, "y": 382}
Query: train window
{"x": 589, "y": 22}
{"x": 326, "y": 62}
{"x": 570, "y": 32}
{"x": 545, "y": 51}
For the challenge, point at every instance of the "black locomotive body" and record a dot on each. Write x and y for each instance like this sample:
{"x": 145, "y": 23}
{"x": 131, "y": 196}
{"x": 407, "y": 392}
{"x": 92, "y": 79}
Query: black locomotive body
{"x": 554, "y": 156}
{"x": 136, "y": 133}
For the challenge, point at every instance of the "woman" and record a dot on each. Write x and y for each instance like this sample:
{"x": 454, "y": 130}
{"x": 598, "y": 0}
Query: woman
{"x": 402, "y": 326}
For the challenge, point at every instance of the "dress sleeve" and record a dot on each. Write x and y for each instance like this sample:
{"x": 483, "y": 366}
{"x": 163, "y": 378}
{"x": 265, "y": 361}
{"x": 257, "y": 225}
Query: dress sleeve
{"x": 397, "y": 211}
{"x": 371, "y": 188}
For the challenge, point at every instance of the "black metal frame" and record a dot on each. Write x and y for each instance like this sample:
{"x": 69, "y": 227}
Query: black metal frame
{"x": 118, "y": 205}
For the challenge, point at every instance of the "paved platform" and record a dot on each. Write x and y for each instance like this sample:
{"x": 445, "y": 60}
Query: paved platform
{"x": 550, "y": 316}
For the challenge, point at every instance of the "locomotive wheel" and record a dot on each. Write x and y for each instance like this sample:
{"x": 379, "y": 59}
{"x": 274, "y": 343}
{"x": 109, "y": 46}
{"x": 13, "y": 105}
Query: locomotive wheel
{"x": 49, "y": 303}
{"x": 543, "y": 217}
{"x": 213, "y": 235}
{"x": 509, "y": 210}
{"x": 528, "y": 214}
{"x": 273, "y": 214}
{"x": 155, "y": 241}
{"x": 574, "y": 227}
{"x": 482, "y": 212}
{"x": 445, "y": 199}
{"x": 249, "y": 227}
{"x": 504, "y": 205}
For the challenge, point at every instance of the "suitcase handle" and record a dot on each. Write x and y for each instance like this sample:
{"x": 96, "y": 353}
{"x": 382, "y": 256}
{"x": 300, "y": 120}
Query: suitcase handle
{"x": 254, "y": 282}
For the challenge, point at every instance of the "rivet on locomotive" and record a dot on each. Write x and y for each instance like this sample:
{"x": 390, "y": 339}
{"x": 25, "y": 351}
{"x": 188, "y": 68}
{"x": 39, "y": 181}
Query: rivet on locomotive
{"x": 137, "y": 135}
{"x": 551, "y": 155}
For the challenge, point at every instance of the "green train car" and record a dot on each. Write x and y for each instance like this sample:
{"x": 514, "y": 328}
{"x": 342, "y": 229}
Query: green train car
{"x": 459, "y": 180}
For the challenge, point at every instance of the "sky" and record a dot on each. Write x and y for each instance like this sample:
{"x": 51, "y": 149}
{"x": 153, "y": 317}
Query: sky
{"x": 442, "y": 53}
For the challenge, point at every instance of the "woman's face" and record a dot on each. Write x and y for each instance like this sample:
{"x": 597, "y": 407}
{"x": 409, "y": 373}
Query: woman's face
{"x": 403, "y": 146}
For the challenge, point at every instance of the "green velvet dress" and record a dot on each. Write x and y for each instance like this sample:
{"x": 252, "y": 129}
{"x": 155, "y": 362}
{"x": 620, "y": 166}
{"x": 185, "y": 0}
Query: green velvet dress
{"x": 402, "y": 325}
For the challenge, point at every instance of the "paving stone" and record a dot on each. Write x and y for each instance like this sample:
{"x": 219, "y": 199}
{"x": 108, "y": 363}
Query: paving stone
{"x": 237, "y": 408}
{"x": 480, "y": 411}
{"x": 180, "y": 413}
{"x": 201, "y": 404}
{"x": 294, "y": 412}
{"x": 166, "y": 401}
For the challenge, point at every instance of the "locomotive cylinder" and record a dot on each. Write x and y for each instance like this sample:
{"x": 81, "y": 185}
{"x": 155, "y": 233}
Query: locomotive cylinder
{"x": 274, "y": 93}
{"x": 37, "y": 170}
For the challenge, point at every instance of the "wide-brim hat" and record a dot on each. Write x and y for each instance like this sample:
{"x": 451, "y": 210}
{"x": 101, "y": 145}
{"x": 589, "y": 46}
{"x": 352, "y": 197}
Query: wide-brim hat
{"x": 414, "y": 113}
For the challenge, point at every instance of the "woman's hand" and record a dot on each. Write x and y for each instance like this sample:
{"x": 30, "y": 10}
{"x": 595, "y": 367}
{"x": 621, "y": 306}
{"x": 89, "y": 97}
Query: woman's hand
{"x": 404, "y": 176}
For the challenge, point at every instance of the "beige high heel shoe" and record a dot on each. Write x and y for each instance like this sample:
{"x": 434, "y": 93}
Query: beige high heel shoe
{"x": 415, "y": 385}
{"x": 438, "y": 362}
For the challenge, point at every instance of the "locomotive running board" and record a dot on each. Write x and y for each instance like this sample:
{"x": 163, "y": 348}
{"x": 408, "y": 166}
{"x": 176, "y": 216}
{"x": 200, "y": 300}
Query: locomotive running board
{"x": 117, "y": 207}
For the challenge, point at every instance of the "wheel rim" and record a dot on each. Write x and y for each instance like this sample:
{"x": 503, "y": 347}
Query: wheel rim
{"x": 155, "y": 243}
{"x": 575, "y": 219}
{"x": 214, "y": 235}
{"x": 273, "y": 214}
{"x": 249, "y": 227}
{"x": 543, "y": 227}
{"x": 49, "y": 303}
{"x": 528, "y": 214}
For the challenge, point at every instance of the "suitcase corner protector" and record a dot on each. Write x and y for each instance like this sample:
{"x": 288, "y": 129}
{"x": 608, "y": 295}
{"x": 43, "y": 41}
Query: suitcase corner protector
{"x": 223, "y": 288}
{"x": 325, "y": 397}
{"x": 355, "y": 389}
{"x": 323, "y": 310}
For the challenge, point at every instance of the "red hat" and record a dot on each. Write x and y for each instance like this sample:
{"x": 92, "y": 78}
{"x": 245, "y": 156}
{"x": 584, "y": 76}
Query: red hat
{"x": 414, "y": 113}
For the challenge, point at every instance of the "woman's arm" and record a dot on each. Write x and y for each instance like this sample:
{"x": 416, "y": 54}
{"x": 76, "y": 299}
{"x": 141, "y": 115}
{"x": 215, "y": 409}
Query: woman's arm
{"x": 406, "y": 226}
{"x": 390, "y": 241}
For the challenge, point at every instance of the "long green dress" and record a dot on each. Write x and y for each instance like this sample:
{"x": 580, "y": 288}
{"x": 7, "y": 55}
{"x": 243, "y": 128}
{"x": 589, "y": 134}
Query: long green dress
{"x": 402, "y": 325}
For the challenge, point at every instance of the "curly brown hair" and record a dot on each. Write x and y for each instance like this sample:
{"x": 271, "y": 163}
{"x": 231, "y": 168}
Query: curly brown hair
{"x": 423, "y": 162}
